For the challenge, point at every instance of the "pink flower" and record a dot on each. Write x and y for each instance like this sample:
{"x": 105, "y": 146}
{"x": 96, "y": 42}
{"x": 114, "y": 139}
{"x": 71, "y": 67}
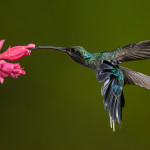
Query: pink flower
{"x": 10, "y": 69}
{"x": 16, "y": 52}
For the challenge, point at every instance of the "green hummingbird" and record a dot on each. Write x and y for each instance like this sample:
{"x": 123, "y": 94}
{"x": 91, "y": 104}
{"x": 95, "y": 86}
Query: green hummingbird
{"x": 107, "y": 69}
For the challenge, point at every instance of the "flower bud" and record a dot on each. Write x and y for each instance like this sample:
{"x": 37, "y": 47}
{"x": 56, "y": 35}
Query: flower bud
{"x": 10, "y": 69}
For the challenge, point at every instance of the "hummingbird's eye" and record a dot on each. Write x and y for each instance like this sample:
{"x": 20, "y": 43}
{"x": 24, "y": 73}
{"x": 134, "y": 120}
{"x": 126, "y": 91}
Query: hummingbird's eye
{"x": 72, "y": 50}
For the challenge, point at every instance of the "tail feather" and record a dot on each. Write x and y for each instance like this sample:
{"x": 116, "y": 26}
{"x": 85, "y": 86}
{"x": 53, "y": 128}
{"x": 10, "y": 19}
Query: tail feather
{"x": 112, "y": 111}
{"x": 120, "y": 104}
{"x": 113, "y": 81}
{"x": 108, "y": 96}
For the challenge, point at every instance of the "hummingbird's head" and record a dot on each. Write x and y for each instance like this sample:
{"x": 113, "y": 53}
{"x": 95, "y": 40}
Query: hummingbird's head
{"x": 76, "y": 53}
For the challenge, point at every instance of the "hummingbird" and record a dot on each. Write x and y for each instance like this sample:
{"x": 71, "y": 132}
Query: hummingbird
{"x": 106, "y": 66}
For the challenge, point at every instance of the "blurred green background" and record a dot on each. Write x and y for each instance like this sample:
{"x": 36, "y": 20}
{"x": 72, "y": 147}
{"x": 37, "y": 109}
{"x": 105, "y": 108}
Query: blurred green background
{"x": 57, "y": 105}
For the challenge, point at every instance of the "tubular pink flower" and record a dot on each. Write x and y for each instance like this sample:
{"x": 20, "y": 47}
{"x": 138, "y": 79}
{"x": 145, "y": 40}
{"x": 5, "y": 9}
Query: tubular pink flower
{"x": 10, "y": 69}
{"x": 16, "y": 52}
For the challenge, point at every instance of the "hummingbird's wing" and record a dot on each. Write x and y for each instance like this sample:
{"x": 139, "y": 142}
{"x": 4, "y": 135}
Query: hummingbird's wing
{"x": 135, "y": 51}
{"x": 113, "y": 82}
{"x": 136, "y": 78}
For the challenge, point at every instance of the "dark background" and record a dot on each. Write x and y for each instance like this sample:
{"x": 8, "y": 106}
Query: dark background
{"x": 57, "y": 105}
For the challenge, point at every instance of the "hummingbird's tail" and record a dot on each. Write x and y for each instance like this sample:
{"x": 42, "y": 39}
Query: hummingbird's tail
{"x": 114, "y": 78}
{"x": 112, "y": 90}
{"x": 136, "y": 78}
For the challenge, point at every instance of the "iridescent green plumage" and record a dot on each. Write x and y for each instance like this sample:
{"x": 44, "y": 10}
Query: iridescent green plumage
{"x": 108, "y": 71}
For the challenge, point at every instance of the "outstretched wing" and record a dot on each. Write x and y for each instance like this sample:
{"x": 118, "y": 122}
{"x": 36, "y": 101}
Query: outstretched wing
{"x": 135, "y": 51}
{"x": 136, "y": 78}
{"x": 113, "y": 82}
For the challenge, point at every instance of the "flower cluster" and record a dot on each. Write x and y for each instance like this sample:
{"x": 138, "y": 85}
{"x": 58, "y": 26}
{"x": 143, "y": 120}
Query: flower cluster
{"x": 11, "y": 54}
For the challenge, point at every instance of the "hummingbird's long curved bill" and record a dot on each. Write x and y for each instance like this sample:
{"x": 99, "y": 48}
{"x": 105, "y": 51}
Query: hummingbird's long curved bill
{"x": 50, "y": 47}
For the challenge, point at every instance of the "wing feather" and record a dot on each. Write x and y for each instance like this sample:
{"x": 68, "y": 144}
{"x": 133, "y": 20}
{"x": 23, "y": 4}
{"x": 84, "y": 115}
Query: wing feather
{"x": 135, "y": 51}
{"x": 136, "y": 78}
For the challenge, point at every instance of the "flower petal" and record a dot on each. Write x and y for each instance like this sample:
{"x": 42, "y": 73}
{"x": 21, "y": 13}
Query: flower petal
{"x": 1, "y": 79}
{"x": 1, "y": 43}
{"x": 16, "y": 52}
{"x": 10, "y": 69}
